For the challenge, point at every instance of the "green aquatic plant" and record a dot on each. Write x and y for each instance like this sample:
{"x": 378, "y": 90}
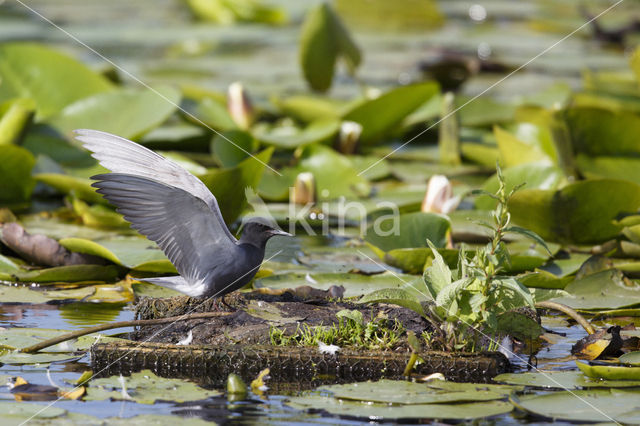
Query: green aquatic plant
{"x": 350, "y": 331}
{"x": 471, "y": 298}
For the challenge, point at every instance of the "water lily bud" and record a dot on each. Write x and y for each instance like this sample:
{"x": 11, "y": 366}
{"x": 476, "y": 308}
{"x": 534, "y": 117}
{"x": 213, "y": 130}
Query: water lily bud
{"x": 304, "y": 189}
{"x": 236, "y": 388}
{"x": 239, "y": 105}
{"x": 439, "y": 197}
{"x": 349, "y": 136}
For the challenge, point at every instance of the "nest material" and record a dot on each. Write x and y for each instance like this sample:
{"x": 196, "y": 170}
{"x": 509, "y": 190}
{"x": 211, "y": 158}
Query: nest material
{"x": 291, "y": 368}
{"x": 239, "y": 343}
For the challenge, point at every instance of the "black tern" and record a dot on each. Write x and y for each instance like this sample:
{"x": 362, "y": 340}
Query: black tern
{"x": 172, "y": 207}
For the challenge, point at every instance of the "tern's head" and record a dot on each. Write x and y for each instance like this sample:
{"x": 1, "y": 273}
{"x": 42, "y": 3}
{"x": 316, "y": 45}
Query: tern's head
{"x": 256, "y": 231}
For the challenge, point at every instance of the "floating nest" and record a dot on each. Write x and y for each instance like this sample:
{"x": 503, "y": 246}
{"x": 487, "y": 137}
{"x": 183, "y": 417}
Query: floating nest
{"x": 239, "y": 343}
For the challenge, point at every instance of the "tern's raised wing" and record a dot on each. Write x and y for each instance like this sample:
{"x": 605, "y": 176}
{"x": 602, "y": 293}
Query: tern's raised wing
{"x": 124, "y": 156}
{"x": 180, "y": 223}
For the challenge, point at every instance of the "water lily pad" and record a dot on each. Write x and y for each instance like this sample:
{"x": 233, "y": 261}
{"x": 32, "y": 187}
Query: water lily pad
{"x": 130, "y": 252}
{"x": 609, "y": 167}
{"x": 514, "y": 151}
{"x": 531, "y": 176}
{"x": 381, "y": 412}
{"x": 377, "y": 172}
{"x": 143, "y": 289}
{"x": 20, "y": 337}
{"x": 24, "y": 294}
{"x": 324, "y": 39}
{"x": 228, "y": 185}
{"x": 152, "y": 420}
{"x": 561, "y": 380}
{"x": 22, "y": 66}
{"x": 308, "y": 108}
{"x": 67, "y": 184}
{"x": 631, "y": 358}
{"x": 21, "y": 412}
{"x": 409, "y": 230}
{"x": 596, "y": 131}
{"x": 563, "y": 267}
{"x": 20, "y": 358}
{"x": 544, "y": 279}
{"x": 231, "y": 154}
{"x": 291, "y": 137}
{"x": 145, "y": 387}
{"x": 15, "y": 115}
{"x": 342, "y": 181}
{"x": 484, "y": 111}
{"x": 582, "y": 212}
{"x": 609, "y": 372}
{"x": 131, "y": 112}
{"x": 597, "y": 405}
{"x": 602, "y": 290}
{"x": 381, "y": 115}
{"x": 8, "y": 265}
{"x": 16, "y": 183}
{"x": 71, "y": 273}
{"x": 409, "y": 393}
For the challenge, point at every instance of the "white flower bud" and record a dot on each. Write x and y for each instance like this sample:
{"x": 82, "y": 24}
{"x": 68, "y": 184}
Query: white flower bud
{"x": 439, "y": 196}
{"x": 304, "y": 189}
{"x": 349, "y": 136}
{"x": 239, "y": 105}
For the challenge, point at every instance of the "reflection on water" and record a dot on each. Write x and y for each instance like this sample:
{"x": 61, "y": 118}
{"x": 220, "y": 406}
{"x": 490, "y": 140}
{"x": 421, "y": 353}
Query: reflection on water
{"x": 87, "y": 314}
{"x": 68, "y": 316}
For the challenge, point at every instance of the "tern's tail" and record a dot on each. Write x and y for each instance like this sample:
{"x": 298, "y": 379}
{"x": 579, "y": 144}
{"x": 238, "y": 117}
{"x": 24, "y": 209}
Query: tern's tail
{"x": 177, "y": 283}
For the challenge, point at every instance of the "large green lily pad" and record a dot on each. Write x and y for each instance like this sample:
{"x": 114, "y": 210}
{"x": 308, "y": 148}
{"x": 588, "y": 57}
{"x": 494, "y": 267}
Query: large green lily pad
{"x": 602, "y": 290}
{"x": 130, "y": 252}
{"x": 381, "y": 115}
{"x": 16, "y": 183}
{"x": 596, "y": 131}
{"x": 408, "y": 231}
{"x": 582, "y": 212}
{"x": 291, "y": 137}
{"x": 324, "y": 39}
{"x": 131, "y": 112}
{"x": 561, "y": 380}
{"x": 145, "y": 387}
{"x": 21, "y": 412}
{"x": 381, "y": 412}
{"x": 22, "y": 66}
{"x": 409, "y": 393}
{"x": 228, "y": 185}
{"x": 597, "y": 405}
{"x": 610, "y": 372}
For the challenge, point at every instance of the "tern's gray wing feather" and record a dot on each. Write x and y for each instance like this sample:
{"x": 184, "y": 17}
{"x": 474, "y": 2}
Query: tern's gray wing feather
{"x": 180, "y": 223}
{"x": 124, "y": 156}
